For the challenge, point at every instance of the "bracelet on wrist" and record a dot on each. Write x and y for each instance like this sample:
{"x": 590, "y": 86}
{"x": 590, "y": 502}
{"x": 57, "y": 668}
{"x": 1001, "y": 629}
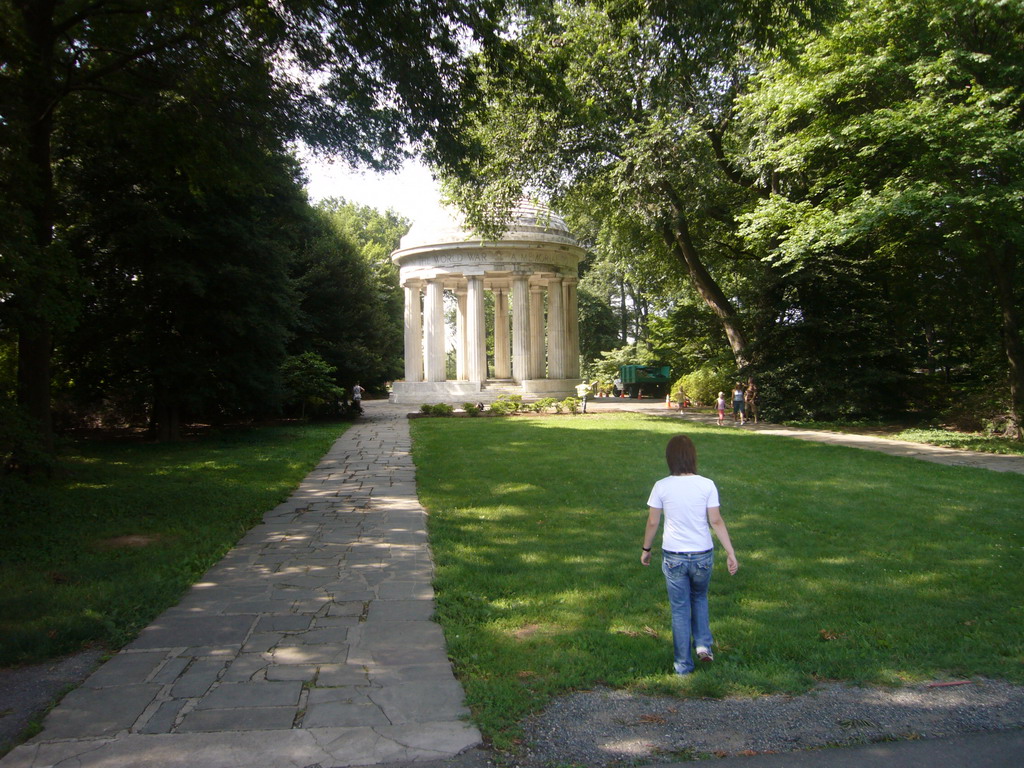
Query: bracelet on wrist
{"x": 646, "y": 549}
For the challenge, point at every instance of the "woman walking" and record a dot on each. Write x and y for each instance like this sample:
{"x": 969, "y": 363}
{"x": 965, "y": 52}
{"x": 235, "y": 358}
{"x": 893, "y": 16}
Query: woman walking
{"x": 690, "y": 504}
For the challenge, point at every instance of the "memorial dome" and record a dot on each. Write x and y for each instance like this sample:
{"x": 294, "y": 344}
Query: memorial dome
{"x": 529, "y": 221}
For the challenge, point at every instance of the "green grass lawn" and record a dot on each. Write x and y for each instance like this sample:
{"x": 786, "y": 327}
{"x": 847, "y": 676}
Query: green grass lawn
{"x": 123, "y": 528}
{"x": 855, "y": 566}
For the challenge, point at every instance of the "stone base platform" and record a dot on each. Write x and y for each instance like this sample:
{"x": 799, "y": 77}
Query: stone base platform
{"x": 457, "y": 392}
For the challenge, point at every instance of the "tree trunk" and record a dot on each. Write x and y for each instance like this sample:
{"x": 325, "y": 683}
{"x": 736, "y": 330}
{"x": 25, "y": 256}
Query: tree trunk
{"x": 623, "y": 315}
{"x": 165, "y": 419}
{"x": 35, "y": 335}
{"x": 677, "y": 237}
{"x": 1003, "y": 267}
{"x": 34, "y": 351}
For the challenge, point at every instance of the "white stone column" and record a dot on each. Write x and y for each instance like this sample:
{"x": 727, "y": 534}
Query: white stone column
{"x": 502, "y": 369}
{"x": 521, "y": 328}
{"x": 460, "y": 335}
{"x": 572, "y": 325}
{"x": 537, "y": 367}
{"x": 413, "y": 333}
{"x": 476, "y": 335}
{"x": 556, "y": 331}
{"x": 433, "y": 332}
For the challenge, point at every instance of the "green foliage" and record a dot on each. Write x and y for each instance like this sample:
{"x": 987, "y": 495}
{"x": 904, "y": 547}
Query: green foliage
{"x": 67, "y": 579}
{"x": 599, "y": 327}
{"x": 346, "y": 315}
{"x": 185, "y": 225}
{"x": 896, "y": 146}
{"x": 21, "y": 448}
{"x": 572, "y": 405}
{"x": 471, "y": 409}
{"x": 514, "y": 401}
{"x": 607, "y": 368}
{"x": 544, "y": 403}
{"x": 309, "y": 381}
{"x": 833, "y": 179}
{"x": 437, "y": 409}
{"x": 703, "y": 385}
{"x": 503, "y": 407}
{"x": 376, "y": 311}
{"x": 146, "y": 149}
{"x": 540, "y": 590}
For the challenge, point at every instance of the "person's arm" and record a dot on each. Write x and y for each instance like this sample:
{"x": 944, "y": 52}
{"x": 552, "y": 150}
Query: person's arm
{"x": 653, "y": 519}
{"x": 718, "y": 524}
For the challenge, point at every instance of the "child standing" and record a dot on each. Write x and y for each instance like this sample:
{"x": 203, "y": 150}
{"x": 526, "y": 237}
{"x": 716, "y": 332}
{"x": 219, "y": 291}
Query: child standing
{"x": 721, "y": 408}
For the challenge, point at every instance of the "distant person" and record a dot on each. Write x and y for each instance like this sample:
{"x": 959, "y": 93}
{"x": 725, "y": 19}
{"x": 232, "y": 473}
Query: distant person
{"x": 583, "y": 392}
{"x": 691, "y": 507}
{"x": 720, "y": 405}
{"x": 357, "y": 395}
{"x": 737, "y": 404}
{"x": 618, "y": 386}
{"x": 750, "y": 399}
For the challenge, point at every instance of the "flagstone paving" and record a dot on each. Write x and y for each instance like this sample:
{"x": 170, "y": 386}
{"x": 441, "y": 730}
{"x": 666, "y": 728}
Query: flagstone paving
{"x": 311, "y": 642}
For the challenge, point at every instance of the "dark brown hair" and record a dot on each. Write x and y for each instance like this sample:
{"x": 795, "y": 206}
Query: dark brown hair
{"x": 681, "y": 455}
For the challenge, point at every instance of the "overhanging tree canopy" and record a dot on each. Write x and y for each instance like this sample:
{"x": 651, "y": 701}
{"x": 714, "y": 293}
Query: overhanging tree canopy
{"x": 364, "y": 80}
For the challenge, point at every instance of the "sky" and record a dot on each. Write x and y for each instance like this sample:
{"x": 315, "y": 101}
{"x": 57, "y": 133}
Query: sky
{"x": 412, "y": 192}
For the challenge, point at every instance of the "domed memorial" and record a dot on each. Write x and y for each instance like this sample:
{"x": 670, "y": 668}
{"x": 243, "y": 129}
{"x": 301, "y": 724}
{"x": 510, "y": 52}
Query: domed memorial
{"x": 531, "y": 271}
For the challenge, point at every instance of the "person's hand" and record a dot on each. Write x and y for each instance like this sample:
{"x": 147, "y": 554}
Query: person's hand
{"x": 733, "y": 564}
{"x": 645, "y": 558}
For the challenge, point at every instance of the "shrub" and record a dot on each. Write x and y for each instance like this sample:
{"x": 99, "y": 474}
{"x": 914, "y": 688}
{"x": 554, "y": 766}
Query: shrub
{"x": 516, "y": 401}
{"x": 703, "y": 385}
{"x": 440, "y": 409}
{"x": 309, "y": 383}
{"x": 572, "y": 404}
{"x": 544, "y": 403}
{"x": 471, "y": 409}
{"x": 503, "y": 407}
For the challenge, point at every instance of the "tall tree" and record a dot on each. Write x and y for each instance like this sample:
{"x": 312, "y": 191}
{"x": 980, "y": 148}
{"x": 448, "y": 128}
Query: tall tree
{"x": 626, "y": 106}
{"x": 377, "y": 235}
{"x": 185, "y": 221}
{"x": 900, "y": 135}
{"x": 343, "y": 316}
{"x": 361, "y": 79}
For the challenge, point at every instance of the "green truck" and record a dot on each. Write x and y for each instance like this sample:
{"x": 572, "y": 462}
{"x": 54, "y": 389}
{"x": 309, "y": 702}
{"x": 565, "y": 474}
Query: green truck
{"x": 646, "y": 380}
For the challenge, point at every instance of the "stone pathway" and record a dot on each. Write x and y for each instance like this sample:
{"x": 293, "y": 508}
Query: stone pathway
{"x": 310, "y": 643}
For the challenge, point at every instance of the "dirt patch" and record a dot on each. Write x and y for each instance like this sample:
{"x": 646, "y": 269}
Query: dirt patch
{"x": 526, "y": 631}
{"x": 130, "y": 541}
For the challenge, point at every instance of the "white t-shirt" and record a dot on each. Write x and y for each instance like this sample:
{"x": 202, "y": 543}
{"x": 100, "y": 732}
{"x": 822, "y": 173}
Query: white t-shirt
{"x": 684, "y": 501}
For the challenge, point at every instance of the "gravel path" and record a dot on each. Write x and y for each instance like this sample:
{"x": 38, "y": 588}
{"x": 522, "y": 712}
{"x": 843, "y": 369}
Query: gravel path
{"x": 26, "y": 692}
{"x": 604, "y": 727}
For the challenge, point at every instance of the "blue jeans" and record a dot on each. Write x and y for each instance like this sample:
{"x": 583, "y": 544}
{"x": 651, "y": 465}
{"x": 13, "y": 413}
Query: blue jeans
{"x": 688, "y": 577}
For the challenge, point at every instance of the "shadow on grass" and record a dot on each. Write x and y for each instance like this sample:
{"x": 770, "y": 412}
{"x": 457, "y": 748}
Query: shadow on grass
{"x": 855, "y": 565}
